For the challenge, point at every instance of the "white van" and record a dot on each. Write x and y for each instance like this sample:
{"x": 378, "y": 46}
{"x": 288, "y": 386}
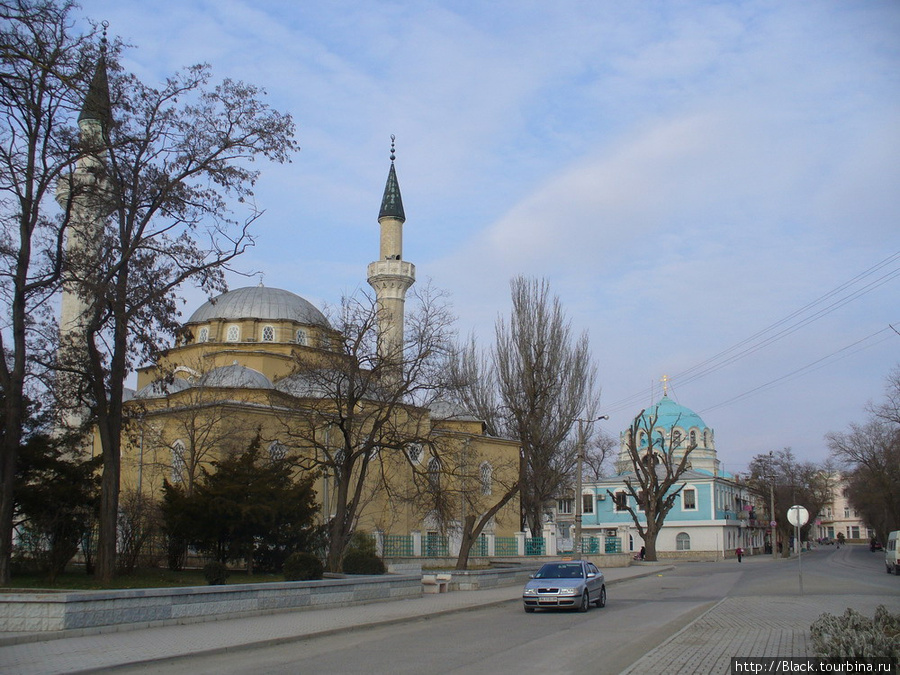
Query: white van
{"x": 892, "y": 553}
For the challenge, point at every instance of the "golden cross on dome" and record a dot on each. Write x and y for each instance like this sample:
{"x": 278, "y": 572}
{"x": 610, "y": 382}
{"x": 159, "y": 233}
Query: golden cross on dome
{"x": 665, "y": 381}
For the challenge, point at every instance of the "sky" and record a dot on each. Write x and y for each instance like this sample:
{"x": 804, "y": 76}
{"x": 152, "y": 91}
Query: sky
{"x": 711, "y": 188}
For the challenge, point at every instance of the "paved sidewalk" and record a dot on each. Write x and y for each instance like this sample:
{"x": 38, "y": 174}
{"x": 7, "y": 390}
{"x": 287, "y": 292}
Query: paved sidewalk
{"x": 742, "y": 626}
{"x": 87, "y": 652}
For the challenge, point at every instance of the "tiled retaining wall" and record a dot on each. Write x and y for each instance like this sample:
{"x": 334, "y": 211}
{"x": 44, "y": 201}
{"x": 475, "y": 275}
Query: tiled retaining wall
{"x": 474, "y": 580}
{"x": 52, "y": 611}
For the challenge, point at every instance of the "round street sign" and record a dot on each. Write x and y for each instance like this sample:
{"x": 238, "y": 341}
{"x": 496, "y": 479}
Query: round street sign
{"x": 798, "y": 516}
{"x": 772, "y": 524}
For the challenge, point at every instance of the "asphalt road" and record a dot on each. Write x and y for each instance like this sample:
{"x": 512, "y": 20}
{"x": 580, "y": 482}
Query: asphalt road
{"x": 640, "y": 615}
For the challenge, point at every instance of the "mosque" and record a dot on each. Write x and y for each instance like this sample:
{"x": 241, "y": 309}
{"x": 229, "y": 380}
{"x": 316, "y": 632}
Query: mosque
{"x": 252, "y": 365}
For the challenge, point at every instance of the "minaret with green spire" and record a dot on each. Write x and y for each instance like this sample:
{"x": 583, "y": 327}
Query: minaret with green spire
{"x": 84, "y": 196}
{"x": 391, "y": 276}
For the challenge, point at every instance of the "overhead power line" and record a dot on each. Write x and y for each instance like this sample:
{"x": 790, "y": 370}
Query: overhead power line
{"x": 852, "y": 289}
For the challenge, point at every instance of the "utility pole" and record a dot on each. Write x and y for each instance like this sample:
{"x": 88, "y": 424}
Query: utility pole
{"x": 579, "y": 503}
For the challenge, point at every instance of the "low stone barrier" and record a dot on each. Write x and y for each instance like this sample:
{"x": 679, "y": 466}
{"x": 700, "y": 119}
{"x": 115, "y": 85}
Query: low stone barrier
{"x": 474, "y": 580}
{"x": 72, "y": 610}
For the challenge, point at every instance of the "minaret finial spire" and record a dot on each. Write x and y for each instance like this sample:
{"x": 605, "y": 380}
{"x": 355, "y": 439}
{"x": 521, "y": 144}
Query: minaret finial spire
{"x": 103, "y": 41}
{"x": 665, "y": 382}
{"x": 393, "y": 156}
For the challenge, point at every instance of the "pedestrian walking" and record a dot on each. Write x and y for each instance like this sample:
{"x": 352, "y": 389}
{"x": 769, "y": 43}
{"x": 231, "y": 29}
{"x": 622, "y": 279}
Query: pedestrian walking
{"x": 739, "y": 552}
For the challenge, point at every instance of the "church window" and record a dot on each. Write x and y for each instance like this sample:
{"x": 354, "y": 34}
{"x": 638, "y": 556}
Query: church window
{"x": 179, "y": 467}
{"x": 414, "y": 452}
{"x": 682, "y": 541}
{"x": 204, "y": 335}
{"x": 233, "y": 334}
{"x": 689, "y": 499}
{"x": 693, "y": 437}
{"x": 268, "y": 334}
{"x": 277, "y": 451}
{"x": 706, "y": 438}
{"x": 676, "y": 437}
{"x": 487, "y": 478}
{"x": 301, "y": 337}
{"x": 434, "y": 473}
{"x": 564, "y": 505}
{"x": 587, "y": 503}
{"x": 620, "y": 499}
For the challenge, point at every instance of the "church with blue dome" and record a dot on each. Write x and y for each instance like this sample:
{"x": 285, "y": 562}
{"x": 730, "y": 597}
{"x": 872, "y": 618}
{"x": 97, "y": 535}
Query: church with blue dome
{"x": 713, "y": 514}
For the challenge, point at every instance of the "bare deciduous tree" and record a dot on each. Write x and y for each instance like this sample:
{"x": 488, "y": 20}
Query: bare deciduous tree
{"x": 658, "y": 461}
{"x": 795, "y": 483}
{"x": 363, "y": 409}
{"x": 175, "y": 168}
{"x": 43, "y": 73}
{"x": 538, "y": 380}
{"x": 869, "y": 454}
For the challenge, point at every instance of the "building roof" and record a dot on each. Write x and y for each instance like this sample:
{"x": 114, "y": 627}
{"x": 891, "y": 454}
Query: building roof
{"x": 670, "y": 414}
{"x": 392, "y": 203}
{"x": 235, "y": 376}
{"x": 259, "y": 302}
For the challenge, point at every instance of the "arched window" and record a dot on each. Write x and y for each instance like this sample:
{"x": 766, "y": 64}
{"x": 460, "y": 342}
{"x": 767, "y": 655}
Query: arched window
{"x": 434, "y": 473}
{"x": 414, "y": 452}
{"x": 693, "y": 437}
{"x": 682, "y": 541}
{"x": 268, "y": 334}
{"x": 277, "y": 451}
{"x": 706, "y": 438}
{"x": 233, "y": 334}
{"x": 204, "y": 334}
{"x": 487, "y": 478}
{"x": 301, "y": 336}
{"x": 179, "y": 466}
{"x": 677, "y": 436}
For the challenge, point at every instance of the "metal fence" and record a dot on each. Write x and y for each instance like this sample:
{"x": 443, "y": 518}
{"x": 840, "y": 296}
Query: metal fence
{"x": 505, "y": 546}
{"x": 398, "y": 545}
{"x": 534, "y": 546}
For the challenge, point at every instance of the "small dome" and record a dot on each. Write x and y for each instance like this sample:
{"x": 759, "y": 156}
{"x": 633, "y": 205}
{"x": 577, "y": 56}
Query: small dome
{"x": 670, "y": 414}
{"x": 236, "y": 376}
{"x": 302, "y": 385}
{"x": 259, "y": 302}
{"x": 162, "y": 388}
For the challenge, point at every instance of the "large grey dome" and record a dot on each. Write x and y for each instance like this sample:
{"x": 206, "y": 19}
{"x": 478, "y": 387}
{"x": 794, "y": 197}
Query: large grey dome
{"x": 259, "y": 302}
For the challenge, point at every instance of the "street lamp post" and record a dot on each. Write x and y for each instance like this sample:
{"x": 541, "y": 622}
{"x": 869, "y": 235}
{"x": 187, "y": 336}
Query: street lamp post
{"x": 576, "y": 538}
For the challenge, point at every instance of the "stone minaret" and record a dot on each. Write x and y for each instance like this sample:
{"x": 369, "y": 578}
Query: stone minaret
{"x": 84, "y": 196}
{"x": 390, "y": 275}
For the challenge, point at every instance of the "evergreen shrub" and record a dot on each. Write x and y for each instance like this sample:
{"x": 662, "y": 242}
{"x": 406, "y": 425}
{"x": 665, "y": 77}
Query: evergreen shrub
{"x": 216, "y": 573}
{"x": 302, "y": 566}
{"x": 361, "y": 562}
{"x": 853, "y": 635}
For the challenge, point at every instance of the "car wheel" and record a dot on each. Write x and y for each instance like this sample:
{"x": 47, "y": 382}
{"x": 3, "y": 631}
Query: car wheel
{"x": 585, "y": 603}
{"x": 528, "y": 609}
{"x": 601, "y": 601}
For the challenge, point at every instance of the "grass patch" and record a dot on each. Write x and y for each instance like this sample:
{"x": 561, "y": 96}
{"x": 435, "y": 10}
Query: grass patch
{"x": 77, "y": 580}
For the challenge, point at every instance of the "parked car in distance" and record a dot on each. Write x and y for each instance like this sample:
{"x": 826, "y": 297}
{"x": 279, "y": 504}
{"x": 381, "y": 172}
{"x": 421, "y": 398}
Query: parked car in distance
{"x": 892, "y": 553}
{"x": 565, "y": 584}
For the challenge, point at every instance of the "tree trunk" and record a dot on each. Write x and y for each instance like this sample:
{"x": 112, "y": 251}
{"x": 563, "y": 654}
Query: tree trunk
{"x": 465, "y": 545}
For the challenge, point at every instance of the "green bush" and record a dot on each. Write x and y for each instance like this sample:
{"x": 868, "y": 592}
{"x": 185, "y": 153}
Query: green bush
{"x": 302, "y": 566}
{"x": 362, "y": 542}
{"x": 853, "y": 635}
{"x": 359, "y": 562}
{"x": 215, "y": 573}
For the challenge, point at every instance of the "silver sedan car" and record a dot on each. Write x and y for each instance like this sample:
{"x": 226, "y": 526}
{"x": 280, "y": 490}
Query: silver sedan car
{"x": 567, "y": 583}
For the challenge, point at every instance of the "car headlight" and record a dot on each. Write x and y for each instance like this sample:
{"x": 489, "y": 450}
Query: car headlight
{"x": 569, "y": 591}
{"x": 530, "y": 591}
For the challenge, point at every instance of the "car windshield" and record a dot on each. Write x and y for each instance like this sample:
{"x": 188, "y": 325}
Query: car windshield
{"x": 560, "y": 571}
